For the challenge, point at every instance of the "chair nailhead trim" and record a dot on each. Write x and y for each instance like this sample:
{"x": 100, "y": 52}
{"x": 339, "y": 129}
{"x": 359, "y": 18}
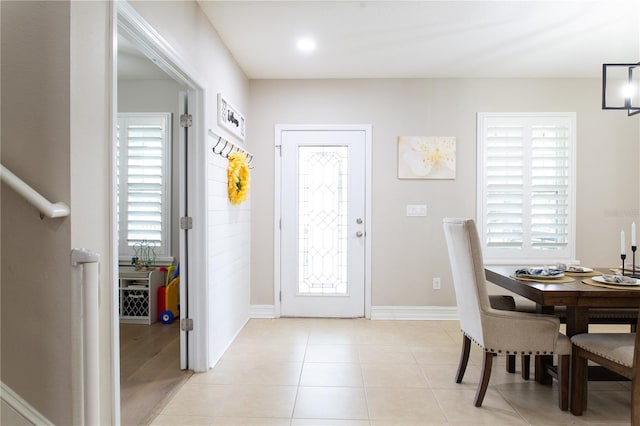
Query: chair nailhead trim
{"x": 499, "y": 351}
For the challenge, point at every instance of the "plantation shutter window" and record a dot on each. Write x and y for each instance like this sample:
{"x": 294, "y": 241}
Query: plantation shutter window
{"x": 143, "y": 183}
{"x": 526, "y": 187}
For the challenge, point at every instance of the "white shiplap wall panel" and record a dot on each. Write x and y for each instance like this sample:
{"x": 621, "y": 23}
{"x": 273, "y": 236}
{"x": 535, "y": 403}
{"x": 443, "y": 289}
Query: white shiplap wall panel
{"x": 228, "y": 247}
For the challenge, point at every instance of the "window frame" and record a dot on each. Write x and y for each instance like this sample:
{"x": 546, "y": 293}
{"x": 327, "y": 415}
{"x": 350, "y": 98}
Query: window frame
{"x": 162, "y": 252}
{"x": 526, "y": 255}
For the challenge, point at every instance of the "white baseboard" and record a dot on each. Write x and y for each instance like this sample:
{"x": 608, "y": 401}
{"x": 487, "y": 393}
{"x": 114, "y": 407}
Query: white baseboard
{"x": 382, "y": 312}
{"x": 262, "y": 311}
{"x": 414, "y": 313}
{"x": 215, "y": 358}
{"x": 17, "y": 411}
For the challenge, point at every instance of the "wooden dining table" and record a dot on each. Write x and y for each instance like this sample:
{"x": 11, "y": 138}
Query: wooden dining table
{"x": 575, "y": 295}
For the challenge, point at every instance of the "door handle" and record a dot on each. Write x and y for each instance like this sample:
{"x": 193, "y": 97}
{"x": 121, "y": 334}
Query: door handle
{"x": 359, "y": 234}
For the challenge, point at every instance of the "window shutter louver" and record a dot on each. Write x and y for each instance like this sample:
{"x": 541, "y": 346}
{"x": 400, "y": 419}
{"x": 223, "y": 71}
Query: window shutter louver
{"x": 504, "y": 187}
{"x": 143, "y": 188}
{"x": 144, "y": 184}
{"x": 549, "y": 187}
{"x": 526, "y": 186}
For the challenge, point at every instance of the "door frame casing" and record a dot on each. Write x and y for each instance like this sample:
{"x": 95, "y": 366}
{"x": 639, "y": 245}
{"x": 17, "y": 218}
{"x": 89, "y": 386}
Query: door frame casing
{"x": 277, "y": 243}
{"x": 125, "y": 17}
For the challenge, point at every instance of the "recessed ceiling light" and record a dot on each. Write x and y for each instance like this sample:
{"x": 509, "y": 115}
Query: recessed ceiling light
{"x": 306, "y": 44}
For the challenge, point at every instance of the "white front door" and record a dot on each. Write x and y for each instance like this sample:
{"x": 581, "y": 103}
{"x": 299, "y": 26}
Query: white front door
{"x": 323, "y": 214}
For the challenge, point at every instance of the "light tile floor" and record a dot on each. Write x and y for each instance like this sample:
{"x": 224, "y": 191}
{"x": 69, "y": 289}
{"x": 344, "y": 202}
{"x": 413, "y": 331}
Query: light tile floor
{"x": 315, "y": 372}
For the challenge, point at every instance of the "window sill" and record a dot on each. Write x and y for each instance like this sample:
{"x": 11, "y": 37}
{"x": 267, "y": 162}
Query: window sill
{"x": 160, "y": 261}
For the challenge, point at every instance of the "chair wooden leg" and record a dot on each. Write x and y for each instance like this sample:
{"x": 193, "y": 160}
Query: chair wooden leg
{"x": 542, "y": 371}
{"x": 525, "y": 366}
{"x": 579, "y": 380}
{"x": 563, "y": 381}
{"x": 464, "y": 358}
{"x": 484, "y": 379}
{"x": 511, "y": 364}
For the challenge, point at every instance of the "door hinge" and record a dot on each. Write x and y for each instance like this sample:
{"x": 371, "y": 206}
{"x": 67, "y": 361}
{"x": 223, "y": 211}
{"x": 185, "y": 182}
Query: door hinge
{"x": 186, "y": 120}
{"x": 186, "y": 222}
{"x": 186, "y": 324}
{"x": 281, "y": 296}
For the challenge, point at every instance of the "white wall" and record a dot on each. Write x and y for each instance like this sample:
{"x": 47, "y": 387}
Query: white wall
{"x": 228, "y": 241}
{"x": 407, "y": 252}
{"x": 56, "y": 134}
{"x": 37, "y": 310}
{"x": 227, "y": 228}
{"x": 55, "y": 137}
{"x": 90, "y": 174}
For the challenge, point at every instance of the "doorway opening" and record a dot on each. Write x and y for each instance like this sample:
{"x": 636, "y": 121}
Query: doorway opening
{"x": 152, "y": 186}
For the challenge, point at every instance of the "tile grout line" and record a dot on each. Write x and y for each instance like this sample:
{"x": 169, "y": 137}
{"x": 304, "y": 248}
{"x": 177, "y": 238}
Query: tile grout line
{"x": 364, "y": 386}
{"x": 304, "y": 360}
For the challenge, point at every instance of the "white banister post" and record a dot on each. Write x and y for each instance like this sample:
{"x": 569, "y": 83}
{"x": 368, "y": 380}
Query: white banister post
{"x": 90, "y": 332}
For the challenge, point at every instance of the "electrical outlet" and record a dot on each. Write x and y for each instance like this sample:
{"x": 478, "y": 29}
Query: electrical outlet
{"x": 436, "y": 283}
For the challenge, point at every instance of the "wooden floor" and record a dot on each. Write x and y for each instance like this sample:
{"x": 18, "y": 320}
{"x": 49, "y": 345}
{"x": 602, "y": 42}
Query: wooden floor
{"x": 149, "y": 369}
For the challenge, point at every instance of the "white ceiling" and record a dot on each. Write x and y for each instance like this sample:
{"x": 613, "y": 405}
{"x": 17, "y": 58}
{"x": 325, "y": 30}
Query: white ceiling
{"x": 406, "y": 39}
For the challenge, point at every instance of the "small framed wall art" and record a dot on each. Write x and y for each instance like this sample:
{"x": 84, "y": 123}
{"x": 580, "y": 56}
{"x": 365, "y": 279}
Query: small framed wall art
{"x": 230, "y": 118}
{"x": 426, "y": 157}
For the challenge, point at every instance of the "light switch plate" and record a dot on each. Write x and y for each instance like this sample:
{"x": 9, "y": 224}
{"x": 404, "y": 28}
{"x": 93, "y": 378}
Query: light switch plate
{"x": 416, "y": 210}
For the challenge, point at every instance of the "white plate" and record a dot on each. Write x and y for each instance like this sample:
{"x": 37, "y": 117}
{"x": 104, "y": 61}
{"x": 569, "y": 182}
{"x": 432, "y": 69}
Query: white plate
{"x": 584, "y": 270}
{"x": 540, "y": 277}
{"x": 601, "y": 280}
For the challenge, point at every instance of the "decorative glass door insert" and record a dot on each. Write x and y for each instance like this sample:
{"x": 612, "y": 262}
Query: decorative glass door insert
{"x": 322, "y": 216}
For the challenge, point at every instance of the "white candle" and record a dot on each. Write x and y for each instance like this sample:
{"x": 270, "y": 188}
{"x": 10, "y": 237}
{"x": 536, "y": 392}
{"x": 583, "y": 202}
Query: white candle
{"x": 622, "y": 243}
{"x": 633, "y": 234}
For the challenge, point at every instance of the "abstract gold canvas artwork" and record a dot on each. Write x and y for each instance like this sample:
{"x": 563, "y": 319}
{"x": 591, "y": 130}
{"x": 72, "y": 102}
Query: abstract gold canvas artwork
{"x": 426, "y": 157}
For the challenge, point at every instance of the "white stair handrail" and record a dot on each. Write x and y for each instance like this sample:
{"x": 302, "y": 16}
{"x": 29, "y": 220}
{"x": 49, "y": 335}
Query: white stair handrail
{"x": 89, "y": 261}
{"x": 45, "y": 207}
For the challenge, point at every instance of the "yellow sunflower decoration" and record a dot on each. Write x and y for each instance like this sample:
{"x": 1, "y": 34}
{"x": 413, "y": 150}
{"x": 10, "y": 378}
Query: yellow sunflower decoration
{"x": 238, "y": 177}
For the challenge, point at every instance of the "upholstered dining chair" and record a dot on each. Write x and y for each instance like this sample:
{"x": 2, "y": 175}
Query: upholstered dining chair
{"x": 497, "y": 331}
{"x": 618, "y": 352}
{"x": 508, "y": 303}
